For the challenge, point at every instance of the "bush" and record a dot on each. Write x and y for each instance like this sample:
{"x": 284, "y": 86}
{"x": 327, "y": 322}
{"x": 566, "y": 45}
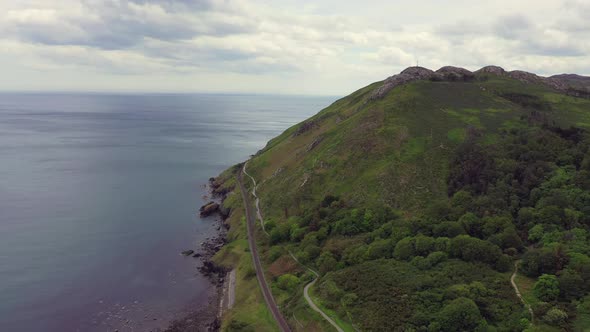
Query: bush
{"x": 436, "y": 257}
{"x": 404, "y": 249}
{"x": 326, "y": 262}
{"x": 461, "y": 314}
{"x": 547, "y": 288}
{"x": 287, "y": 282}
{"x": 274, "y": 253}
{"x": 379, "y": 249}
{"x": 555, "y": 317}
{"x": 421, "y": 263}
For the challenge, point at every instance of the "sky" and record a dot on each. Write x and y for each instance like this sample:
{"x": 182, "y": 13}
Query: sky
{"x": 322, "y": 47}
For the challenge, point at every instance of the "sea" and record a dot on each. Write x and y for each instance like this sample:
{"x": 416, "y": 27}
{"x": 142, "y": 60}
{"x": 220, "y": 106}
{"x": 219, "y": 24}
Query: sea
{"x": 99, "y": 194}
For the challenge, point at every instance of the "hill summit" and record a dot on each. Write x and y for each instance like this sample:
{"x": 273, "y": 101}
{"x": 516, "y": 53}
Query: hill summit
{"x": 562, "y": 82}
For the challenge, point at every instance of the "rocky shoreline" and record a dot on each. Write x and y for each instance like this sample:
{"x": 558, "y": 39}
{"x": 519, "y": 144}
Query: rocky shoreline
{"x": 208, "y": 317}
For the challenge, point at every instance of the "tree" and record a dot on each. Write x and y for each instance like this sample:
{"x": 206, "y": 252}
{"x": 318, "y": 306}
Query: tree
{"x": 287, "y": 282}
{"x": 326, "y": 262}
{"x": 280, "y": 233}
{"x": 536, "y": 233}
{"x": 555, "y": 316}
{"x": 571, "y": 284}
{"x": 404, "y": 249}
{"x": 547, "y": 288}
{"x": 472, "y": 249}
{"x": 461, "y": 314}
{"x": 379, "y": 249}
{"x": 436, "y": 257}
{"x": 423, "y": 245}
{"x": 349, "y": 300}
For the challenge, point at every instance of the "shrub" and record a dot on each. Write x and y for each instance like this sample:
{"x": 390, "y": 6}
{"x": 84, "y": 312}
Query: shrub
{"x": 404, "y": 249}
{"x": 461, "y": 314}
{"x": 555, "y": 317}
{"x": 547, "y": 288}
{"x": 287, "y": 282}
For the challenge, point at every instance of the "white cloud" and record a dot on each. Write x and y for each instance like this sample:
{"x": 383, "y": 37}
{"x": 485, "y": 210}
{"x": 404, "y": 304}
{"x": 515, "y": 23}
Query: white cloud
{"x": 262, "y": 46}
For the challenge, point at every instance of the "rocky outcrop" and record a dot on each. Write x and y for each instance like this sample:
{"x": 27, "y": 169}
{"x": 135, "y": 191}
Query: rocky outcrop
{"x": 408, "y": 75}
{"x": 209, "y": 209}
{"x": 495, "y": 70}
{"x": 412, "y": 74}
{"x": 450, "y": 73}
{"x": 305, "y": 127}
{"x": 315, "y": 143}
{"x": 218, "y": 189}
{"x": 569, "y": 84}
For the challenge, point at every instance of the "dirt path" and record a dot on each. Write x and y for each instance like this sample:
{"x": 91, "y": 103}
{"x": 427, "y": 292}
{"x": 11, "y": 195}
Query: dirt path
{"x": 257, "y": 200}
{"x": 517, "y": 291}
{"x": 268, "y": 298}
{"x": 310, "y": 301}
{"x": 306, "y": 288}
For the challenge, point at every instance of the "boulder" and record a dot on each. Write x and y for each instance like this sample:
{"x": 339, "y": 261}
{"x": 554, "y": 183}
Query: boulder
{"x": 208, "y": 209}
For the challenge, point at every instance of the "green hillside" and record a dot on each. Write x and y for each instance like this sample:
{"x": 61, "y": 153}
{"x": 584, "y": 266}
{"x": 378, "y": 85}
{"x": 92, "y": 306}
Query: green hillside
{"x": 414, "y": 196}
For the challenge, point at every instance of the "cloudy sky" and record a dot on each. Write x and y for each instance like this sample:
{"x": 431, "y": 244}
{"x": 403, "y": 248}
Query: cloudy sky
{"x": 291, "y": 46}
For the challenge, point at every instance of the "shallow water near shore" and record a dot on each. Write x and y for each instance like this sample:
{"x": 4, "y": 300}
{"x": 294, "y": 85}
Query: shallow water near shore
{"x": 99, "y": 194}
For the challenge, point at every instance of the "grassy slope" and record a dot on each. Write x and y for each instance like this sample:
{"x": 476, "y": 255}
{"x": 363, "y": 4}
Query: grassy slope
{"x": 394, "y": 150}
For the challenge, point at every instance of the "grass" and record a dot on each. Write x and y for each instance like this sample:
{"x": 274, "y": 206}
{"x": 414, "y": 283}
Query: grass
{"x": 456, "y": 135}
{"x": 525, "y": 285}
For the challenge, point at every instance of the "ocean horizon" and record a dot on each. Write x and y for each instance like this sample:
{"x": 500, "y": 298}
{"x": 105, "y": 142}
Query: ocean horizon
{"x": 99, "y": 194}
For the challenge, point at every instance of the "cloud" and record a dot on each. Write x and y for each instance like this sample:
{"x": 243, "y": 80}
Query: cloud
{"x": 112, "y": 24}
{"x": 325, "y": 46}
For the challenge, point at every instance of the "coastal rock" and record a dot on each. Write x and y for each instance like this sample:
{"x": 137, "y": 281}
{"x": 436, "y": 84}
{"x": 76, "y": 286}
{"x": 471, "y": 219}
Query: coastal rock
{"x": 188, "y": 252}
{"x": 218, "y": 189}
{"x": 224, "y": 211}
{"x": 208, "y": 209}
{"x": 209, "y": 269}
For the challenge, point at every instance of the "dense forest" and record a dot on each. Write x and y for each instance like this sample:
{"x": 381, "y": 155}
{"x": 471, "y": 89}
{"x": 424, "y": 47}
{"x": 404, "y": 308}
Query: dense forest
{"x": 525, "y": 198}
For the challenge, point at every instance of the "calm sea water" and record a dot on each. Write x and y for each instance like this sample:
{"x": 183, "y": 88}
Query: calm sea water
{"x": 99, "y": 194}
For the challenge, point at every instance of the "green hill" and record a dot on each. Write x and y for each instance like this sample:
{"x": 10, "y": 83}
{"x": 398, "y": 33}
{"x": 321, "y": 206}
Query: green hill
{"x": 414, "y": 196}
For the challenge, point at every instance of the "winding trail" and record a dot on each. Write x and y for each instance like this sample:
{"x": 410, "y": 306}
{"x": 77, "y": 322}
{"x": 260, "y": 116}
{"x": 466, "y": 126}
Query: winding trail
{"x": 308, "y": 298}
{"x": 267, "y": 294}
{"x": 257, "y": 200}
{"x": 517, "y": 291}
{"x": 259, "y": 215}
